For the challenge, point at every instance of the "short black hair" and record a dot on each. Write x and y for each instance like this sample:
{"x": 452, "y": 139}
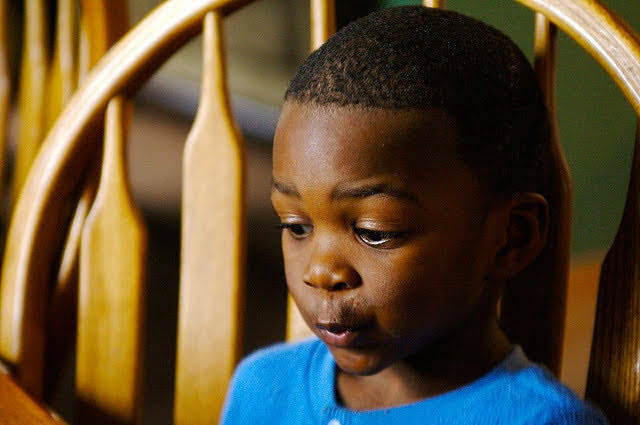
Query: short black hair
{"x": 415, "y": 57}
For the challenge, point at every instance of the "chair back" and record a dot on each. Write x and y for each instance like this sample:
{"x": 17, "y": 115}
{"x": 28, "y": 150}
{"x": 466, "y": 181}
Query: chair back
{"x": 210, "y": 323}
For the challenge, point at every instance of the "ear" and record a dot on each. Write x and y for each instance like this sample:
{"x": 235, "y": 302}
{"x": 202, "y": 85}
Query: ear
{"x": 524, "y": 237}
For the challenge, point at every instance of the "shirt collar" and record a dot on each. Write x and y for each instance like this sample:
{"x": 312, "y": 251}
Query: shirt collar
{"x": 322, "y": 393}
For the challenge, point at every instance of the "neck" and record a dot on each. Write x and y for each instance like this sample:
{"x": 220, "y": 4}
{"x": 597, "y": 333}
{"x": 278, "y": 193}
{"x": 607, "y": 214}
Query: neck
{"x": 441, "y": 366}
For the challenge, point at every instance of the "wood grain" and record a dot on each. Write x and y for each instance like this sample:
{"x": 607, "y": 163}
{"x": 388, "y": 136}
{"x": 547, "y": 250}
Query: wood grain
{"x": 102, "y": 22}
{"x": 213, "y": 245}
{"x": 62, "y": 307}
{"x": 434, "y": 3}
{"x": 17, "y": 408}
{"x": 323, "y": 21}
{"x": 61, "y": 79}
{"x": 606, "y": 37}
{"x": 65, "y": 152}
{"x": 63, "y": 303}
{"x": 545, "y": 58}
{"x": 582, "y": 294}
{"x": 5, "y": 83}
{"x": 611, "y": 42}
{"x": 33, "y": 238}
{"x": 30, "y": 132}
{"x": 614, "y": 378}
{"x": 110, "y": 296}
{"x": 32, "y": 90}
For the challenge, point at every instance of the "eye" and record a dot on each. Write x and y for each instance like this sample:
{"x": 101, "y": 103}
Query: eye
{"x": 296, "y": 230}
{"x": 377, "y": 238}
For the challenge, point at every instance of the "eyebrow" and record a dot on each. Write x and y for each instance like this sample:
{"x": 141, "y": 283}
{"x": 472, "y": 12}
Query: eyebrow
{"x": 358, "y": 192}
{"x": 365, "y": 191}
{"x": 284, "y": 188}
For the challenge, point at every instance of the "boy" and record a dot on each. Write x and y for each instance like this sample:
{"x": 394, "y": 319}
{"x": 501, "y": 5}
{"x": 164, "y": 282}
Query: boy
{"x": 409, "y": 171}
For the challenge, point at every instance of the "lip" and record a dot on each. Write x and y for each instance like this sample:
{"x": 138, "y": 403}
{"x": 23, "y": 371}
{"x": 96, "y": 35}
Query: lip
{"x": 339, "y": 335}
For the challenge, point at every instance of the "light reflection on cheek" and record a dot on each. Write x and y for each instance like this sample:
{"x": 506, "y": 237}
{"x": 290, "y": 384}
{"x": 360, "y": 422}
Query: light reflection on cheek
{"x": 294, "y": 267}
{"x": 291, "y": 274}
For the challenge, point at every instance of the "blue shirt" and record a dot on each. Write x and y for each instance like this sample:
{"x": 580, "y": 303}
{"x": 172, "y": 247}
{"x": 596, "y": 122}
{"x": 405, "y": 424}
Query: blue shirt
{"x": 295, "y": 384}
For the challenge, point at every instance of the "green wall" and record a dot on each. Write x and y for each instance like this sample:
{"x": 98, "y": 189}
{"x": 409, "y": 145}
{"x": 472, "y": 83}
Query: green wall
{"x": 597, "y": 124}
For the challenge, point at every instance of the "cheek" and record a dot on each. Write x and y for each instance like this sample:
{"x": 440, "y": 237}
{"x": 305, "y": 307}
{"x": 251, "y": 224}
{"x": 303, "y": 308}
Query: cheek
{"x": 294, "y": 266}
{"x": 420, "y": 310}
{"x": 292, "y": 261}
{"x": 425, "y": 288}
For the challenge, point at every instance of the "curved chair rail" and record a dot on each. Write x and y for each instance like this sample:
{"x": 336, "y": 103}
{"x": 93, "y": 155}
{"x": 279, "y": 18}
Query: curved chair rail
{"x": 123, "y": 69}
{"x": 605, "y": 36}
{"x": 126, "y": 66}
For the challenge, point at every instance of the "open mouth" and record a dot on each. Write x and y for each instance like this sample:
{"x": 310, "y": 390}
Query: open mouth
{"x": 339, "y": 335}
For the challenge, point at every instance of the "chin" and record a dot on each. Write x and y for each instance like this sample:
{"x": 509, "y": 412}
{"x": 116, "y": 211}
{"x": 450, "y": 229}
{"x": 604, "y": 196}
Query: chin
{"x": 362, "y": 362}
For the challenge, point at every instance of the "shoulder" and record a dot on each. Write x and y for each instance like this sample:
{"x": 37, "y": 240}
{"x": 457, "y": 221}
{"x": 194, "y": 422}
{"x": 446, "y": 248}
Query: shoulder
{"x": 539, "y": 398}
{"x": 269, "y": 379}
{"x": 561, "y": 405}
{"x": 277, "y": 361}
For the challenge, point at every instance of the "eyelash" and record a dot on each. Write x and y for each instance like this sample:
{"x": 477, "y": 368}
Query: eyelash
{"x": 292, "y": 227}
{"x": 376, "y": 238}
{"x": 373, "y": 238}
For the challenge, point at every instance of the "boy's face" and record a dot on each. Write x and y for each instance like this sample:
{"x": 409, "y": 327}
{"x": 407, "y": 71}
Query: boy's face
{"x": 388, "y": 236}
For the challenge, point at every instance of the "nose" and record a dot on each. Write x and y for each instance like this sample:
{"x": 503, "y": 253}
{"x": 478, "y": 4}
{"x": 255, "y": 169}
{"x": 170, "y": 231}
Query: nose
{"x": 324, "y": 272}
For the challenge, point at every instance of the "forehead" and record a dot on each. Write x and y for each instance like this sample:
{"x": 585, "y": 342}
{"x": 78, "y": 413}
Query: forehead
{"x": 316, "y": 144}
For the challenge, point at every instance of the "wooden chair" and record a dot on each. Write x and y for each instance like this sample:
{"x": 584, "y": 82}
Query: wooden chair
{"x": 47, "y": 81}
{"x": 211, "y": 292}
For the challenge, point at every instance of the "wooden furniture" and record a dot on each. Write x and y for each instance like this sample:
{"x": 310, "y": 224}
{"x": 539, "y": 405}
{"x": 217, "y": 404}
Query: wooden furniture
{"x": 211, "y": 294}
{"x": 47, "y": 81}
{"x": 17, "y": 408}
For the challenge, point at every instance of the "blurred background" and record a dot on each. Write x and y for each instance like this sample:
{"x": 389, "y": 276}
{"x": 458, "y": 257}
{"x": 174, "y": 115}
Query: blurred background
{"x": 266, "y": 41}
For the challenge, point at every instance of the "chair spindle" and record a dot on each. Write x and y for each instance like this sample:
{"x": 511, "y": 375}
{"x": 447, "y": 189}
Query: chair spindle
{"x": 323, "y": 21}
{"x": 31, "y": 247}
{"x": 545, "y": 46}
{"x": 210, "y": 318}
{"x": 614, "y": 376}
{"x": 111, "y": 290}
{"x": 32, "y": 91}
{"x": 5, "y": 83}
{"x": 434, "y": 3}
{"x": 97, "y": 30}
{"x": 103, "y": 23}
{"x": 61, "y": 81}
{"x": 164, "y": 31}
{"x": 28, "y": 362}
{"x": 601, "y": 33}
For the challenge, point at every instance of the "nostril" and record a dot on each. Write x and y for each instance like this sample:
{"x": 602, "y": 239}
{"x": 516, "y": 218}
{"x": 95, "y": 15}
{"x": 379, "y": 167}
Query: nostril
{"x": 340, "y": 286}
{"x": 331, "y": 278}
